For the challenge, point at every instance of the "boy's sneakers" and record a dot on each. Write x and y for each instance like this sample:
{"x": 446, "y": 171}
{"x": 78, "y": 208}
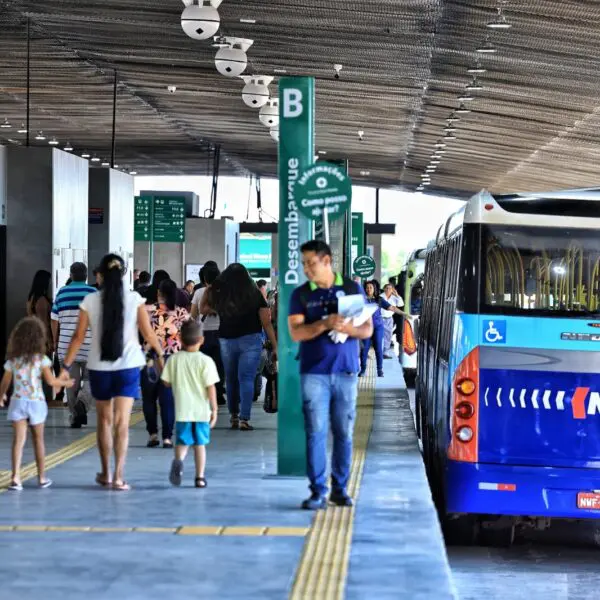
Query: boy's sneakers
{"x": 176, "y": 472}
{"x": 315, "y": 502}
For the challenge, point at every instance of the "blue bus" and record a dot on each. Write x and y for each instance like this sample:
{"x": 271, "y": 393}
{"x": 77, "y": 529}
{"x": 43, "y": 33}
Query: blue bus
{"x": 508, "y": 375}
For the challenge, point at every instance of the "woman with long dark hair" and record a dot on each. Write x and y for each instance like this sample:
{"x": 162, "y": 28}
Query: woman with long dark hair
{"x": 243, "y": 314}
{"x": 166, "y": 319}
{"x": 151, "y": 292}
{"x": 114, "y": 316}
{"x": 373, "y": 297}
{"x": 39, "y": 303}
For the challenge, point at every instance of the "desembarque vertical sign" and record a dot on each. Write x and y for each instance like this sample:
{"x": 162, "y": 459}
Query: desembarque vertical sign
{"x": 296, "y": 153}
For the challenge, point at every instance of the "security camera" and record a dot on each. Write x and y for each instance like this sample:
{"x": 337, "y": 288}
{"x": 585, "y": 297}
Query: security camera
{"x": 256, "y": 91}
{"x": 361, "y": 135}
{"x": 200, "y": 19}
{"x": 269, "y": 113}
{"x": 172, "y": 89}
{"x": 231, "y": 60}
{"x": 337, "y": 69}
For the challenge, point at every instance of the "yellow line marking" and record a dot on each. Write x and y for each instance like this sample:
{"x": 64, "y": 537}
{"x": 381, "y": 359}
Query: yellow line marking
{"x": 87, "y": 442}
{"x": 244, "y": 531}
{"x": 323, "y": 568}
{"x": 201, "y": 530}
{"x": 287, "y": 531}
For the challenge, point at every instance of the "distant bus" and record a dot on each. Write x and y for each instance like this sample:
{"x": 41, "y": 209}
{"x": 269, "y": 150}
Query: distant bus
{"x": 410, "y": 283}
{"x": 508, "y": 382}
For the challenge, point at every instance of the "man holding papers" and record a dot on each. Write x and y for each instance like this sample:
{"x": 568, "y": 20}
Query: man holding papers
{"x": 328, "y": 329}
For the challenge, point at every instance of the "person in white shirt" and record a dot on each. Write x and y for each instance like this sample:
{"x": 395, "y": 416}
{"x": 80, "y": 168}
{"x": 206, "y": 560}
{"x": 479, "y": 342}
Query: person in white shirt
{"x": 114, "y": 315}
{"x": 209, "y": 321}
{"x": 391, "y": 297}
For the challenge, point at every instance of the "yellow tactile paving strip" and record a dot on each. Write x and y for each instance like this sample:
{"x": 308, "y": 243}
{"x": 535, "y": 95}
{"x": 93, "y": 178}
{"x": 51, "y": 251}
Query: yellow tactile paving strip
{"x": 60, "y": 456}
{"x": 323, "y": 567}
{"x": 194, "y": 530}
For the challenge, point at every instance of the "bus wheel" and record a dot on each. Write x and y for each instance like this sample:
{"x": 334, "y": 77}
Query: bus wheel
{"x": 460, "y": 530}
{"x": 498, "y": 534}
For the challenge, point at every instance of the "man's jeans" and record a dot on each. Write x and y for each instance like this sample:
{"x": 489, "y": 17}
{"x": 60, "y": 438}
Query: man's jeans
{"x": 240, "y": 359}
{"x": 329, "y": 399}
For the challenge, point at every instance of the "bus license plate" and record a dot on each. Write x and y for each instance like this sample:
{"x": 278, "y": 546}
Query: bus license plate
{"x": 588, "y": 500}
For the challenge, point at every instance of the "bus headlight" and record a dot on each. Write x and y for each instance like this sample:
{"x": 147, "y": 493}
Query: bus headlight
{"x": 464, "y": 434}
{"x": 466, "y": 386}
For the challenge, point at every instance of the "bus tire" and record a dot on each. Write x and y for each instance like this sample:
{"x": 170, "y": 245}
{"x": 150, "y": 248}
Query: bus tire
{"x": 498, "y": 536}
{"x": 460, "y": 530}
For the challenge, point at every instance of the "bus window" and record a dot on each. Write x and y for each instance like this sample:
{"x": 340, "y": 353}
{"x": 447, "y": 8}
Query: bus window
{"x": 416, "y": 297}
{"x": 540, "y": 270}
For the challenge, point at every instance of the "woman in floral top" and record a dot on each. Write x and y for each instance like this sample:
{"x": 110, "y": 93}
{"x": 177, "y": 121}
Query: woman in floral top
{"x": 166, "y": 319}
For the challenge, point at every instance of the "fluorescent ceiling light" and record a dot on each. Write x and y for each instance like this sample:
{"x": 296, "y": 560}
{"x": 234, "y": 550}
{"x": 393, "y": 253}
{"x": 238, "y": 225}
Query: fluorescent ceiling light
{"x": 40, "y": 136}
{"x": 6, "y": 124}
{"x": 85, "y": 155}
{"x": 53, "y": 142}
{"x": 462, "y": 110}
{"x": 68, "y": 147}
{"x": 249, "y": 21}
{"x": 23, "y": 128}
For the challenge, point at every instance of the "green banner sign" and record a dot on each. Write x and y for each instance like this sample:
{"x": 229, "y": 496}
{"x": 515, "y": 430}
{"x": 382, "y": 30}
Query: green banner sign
{"x": 364, "y": 266}
{"x": 169, "y": 219}
{"x": 324, "y": 188}
{"x": 358, "y": 236}
{"x": 296, "y": 152}
{"x": 142, "y": 228}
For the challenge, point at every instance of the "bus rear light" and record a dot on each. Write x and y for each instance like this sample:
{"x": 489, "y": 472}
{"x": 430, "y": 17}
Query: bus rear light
{"x": 464, "y": 434}
{"x": 464, "y": 410}
{"x": 409, "y": 345}
{"x": 466, "y": 386}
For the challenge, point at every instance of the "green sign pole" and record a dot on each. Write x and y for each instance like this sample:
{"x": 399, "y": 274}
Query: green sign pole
{"x": 296, "y": 152}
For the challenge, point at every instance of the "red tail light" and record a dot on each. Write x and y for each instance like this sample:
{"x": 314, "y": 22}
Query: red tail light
{"x": 408, "y": 339}
{"x": 464, "y": 417}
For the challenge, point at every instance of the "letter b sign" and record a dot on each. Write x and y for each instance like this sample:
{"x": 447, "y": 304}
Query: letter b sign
{"x": 292, "y": 103}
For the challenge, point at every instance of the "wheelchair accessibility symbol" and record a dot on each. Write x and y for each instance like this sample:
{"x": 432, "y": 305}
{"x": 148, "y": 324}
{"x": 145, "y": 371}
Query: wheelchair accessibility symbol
{"x": 494, "y": 332}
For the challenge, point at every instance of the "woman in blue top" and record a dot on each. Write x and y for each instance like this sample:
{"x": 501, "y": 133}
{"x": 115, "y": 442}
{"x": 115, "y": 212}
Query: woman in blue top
{"x": 372, "y": 292}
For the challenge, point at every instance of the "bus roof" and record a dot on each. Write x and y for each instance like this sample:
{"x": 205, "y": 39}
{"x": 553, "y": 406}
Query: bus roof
{"x": 578, "y": 209}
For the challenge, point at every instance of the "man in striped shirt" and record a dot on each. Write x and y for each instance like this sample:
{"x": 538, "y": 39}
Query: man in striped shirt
{"x": 65, "y": 314}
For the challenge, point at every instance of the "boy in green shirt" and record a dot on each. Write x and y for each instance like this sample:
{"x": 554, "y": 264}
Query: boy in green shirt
{"x": 193, "y": 376}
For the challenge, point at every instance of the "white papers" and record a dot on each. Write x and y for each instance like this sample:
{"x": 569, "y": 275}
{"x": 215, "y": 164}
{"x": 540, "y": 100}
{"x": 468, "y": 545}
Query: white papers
{"x": 352, "y": 307}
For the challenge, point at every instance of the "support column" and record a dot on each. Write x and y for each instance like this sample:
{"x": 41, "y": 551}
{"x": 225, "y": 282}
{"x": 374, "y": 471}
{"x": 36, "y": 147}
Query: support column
{"x": 296, "y": 152}
{"x": 111, "y": 217}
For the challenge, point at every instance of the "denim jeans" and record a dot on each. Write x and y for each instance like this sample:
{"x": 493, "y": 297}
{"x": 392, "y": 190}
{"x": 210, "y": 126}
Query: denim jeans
{"x": 154, "y": 390}
{"x": 377, "y": 340}
{"x": 240, "y": 360}
{"x": 212, "y": 348}
{"x": 329, "y": 400}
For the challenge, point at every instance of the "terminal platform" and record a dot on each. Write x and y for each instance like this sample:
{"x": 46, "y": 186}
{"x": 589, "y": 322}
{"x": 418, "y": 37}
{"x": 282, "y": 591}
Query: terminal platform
{"x": 243, "y": 536}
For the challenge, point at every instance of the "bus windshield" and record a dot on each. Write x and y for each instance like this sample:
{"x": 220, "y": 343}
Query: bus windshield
{"x": 540, "y": 270}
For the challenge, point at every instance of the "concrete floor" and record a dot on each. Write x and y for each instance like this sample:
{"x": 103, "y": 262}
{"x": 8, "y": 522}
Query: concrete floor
{"x": 396, "y": 550}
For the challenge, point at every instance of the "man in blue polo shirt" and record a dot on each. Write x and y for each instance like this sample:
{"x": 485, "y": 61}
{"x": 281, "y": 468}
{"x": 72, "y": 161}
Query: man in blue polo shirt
{"x": 328, "y": 372}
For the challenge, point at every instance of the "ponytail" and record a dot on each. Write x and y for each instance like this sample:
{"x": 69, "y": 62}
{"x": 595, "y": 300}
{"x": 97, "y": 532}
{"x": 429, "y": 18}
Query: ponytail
{"x": 112, "y": 270}
{"x": 168, "y": 291}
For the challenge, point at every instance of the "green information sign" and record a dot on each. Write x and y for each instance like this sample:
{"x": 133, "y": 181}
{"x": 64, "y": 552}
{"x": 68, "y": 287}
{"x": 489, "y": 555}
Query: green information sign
{"x": 324, "y": 188}
{"x": 364, "y": 266}
{"x": 358, "y": 236}
{"x": 142, "y": 231}
{"x": 169, "y": 219}
{"x": 296, "y": 152}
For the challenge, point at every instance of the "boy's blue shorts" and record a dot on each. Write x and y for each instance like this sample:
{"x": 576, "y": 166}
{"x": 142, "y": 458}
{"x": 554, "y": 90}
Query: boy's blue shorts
{"x": 192, "y": 433}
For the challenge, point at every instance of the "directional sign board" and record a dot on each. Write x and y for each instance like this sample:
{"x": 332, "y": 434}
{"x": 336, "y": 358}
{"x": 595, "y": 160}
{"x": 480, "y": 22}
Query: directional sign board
{"x": 364, "y": 266}
{"x": 169, "y": 219}
{"x": 323, "y": 186}
{"x": 143, "y": 218}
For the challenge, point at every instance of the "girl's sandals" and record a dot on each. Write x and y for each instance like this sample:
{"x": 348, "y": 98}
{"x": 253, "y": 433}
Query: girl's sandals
{"x": 15, "y": 486}
{"x": 153, "y": 442}
{"x": 122, "y": 486}
{"x": 235, "y": 422}
{"x": 167, "y": 444}
{"x": 45, "y": 484}
{"x": 201, "y": 482}
{"x": 245, "y": 426}
{"x": 102, "y": 480}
